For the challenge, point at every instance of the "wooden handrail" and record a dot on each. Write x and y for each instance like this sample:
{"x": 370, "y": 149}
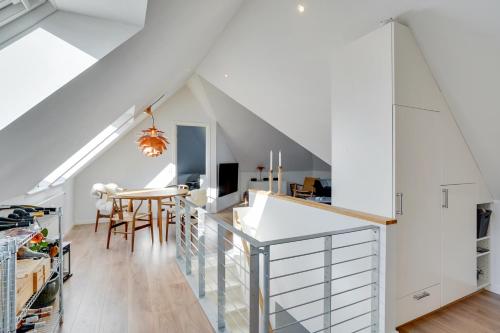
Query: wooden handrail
{"x": 334, "y": 209}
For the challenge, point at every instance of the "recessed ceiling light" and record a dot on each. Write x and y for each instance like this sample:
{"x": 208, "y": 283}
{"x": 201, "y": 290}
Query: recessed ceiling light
{"x": 301, "y": 8}
{"x": 226, "y": 75}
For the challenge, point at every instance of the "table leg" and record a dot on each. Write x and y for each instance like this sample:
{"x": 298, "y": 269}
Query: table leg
{"x": 160, "y": 224}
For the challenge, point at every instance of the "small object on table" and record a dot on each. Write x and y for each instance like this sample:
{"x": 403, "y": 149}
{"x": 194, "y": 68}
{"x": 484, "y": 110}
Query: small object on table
{"x": 260, "y": 168}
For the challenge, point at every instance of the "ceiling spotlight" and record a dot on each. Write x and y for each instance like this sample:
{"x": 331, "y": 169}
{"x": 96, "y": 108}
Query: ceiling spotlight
{"x": 301, "y": 8}
{"x": 226, "y": 75}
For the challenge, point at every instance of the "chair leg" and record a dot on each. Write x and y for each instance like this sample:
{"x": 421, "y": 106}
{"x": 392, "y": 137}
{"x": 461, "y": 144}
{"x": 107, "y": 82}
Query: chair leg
{"x": 97, "y": 220}
{"x": 150, "y": 216}
{"x": 133, "y": 234}
{"x": 126, "y": 231}
{"x": 169, "y": 217}
{"x": 111, "y": 223}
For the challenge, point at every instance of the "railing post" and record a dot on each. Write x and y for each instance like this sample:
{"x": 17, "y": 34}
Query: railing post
{"x": 254, "y": 289}
{"x": 327, "y": 287}
{"x": 201, "y": 254}
{"x": 265, "y": 289}
{"x": 178, "y": 233}
{"x": 4, "y": 278}
{"x": 187, "y": 233}
{"x": 12, "y": 283}
{"x": 375, "y": 279}
{"x": 221, "y": 279}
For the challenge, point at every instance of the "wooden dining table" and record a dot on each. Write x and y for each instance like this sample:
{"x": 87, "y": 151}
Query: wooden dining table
{"x": 153, "y": 194}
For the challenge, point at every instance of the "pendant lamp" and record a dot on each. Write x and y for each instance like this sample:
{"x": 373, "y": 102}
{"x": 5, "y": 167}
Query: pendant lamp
{"x": 152, "y": 142}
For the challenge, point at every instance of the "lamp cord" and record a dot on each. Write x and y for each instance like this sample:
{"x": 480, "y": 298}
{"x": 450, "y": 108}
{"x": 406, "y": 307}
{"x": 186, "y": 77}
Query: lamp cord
{"x": 157, "y": 100}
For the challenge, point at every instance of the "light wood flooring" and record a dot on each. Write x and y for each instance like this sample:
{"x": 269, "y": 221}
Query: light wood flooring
{"x": 479, "y": 313}
{"x": 117, "y": 291}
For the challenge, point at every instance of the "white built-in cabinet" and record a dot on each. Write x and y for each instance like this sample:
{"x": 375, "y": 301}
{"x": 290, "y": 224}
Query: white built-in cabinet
{"x": 459, "y": 241}
{"x": 417, "y": 199}
{"x": 398, "y": 152}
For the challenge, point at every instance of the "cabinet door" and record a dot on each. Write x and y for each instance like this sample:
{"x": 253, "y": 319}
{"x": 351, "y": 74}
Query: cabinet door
{"x": 459, "y": 241}
{"x": 418, "y": 208}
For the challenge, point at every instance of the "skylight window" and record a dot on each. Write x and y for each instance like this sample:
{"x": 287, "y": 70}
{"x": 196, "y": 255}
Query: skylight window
{"x": 12, "y": 9}
{"x": 79, "y": 159}
{"x": 34, "y": 67}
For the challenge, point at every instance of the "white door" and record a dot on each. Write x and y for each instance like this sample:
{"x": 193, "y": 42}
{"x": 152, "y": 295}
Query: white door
{"x": 459, "y": 241}
{"x": 418, "y": 168}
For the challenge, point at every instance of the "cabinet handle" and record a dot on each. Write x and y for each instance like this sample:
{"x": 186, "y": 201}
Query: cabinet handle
{"x": 399, "y": 197}
{"x": 424, "y": 294}
{"x": 445, "y": 198}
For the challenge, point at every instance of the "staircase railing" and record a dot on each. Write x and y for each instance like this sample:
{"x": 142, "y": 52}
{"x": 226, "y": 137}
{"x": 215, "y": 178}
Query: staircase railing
{"x": 325, "y": 282}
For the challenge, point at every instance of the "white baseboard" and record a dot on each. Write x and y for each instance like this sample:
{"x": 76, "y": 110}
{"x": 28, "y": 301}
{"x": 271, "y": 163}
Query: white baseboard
{"x": 494, "y": 288}
{"x": 89, "y": 221}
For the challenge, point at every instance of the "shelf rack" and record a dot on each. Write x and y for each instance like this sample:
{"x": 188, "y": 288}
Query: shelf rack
{"x": 483, "y": 259}
{"x": 10, "y": 242}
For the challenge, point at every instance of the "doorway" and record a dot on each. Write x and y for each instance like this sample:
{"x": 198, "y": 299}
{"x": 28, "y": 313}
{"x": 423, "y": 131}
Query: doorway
{"x": 192, "y": 156}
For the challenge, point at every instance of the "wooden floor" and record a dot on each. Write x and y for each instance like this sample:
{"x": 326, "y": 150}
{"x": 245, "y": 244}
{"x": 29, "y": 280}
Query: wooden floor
{"x": 116, "y": 291}
{"x": 479, "y": 313}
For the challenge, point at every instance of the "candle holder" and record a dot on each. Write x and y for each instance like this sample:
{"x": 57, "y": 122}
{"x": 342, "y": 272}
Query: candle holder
{"x": 271, "y": 180}
{"x": 280, "y": 179}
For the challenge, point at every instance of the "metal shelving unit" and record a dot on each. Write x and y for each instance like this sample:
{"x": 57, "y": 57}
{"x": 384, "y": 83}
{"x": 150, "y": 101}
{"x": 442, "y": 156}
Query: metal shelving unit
{"x": 10, "y": 242}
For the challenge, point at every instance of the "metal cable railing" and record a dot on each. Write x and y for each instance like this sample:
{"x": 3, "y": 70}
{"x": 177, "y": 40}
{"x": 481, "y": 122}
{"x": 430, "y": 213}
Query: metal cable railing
{"x": 326, "y": 282}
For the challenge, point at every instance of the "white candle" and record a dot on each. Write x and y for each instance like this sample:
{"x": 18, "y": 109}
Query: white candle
{"x": 271, "y": 160}
{"x": 279, "y": 162}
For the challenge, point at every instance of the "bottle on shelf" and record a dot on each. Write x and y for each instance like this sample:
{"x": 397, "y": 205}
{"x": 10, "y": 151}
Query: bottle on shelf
{"x": 23, "y": 328}
{"x": 40, "y": 310}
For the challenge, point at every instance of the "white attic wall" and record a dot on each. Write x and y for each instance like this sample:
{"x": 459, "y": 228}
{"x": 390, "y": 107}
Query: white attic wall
{"x": 247, "y": 139}
{"x": 250, "y": 138}
{"x": 136, "y": 73}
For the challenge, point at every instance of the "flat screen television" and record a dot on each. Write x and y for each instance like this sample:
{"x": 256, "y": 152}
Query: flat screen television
{"x": 228, "y": 178}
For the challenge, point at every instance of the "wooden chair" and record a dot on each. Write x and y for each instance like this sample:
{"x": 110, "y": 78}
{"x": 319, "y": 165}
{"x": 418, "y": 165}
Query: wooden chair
{"x": 104, "y": 204}
{"x": 306, "y": 190}
{"x": 101, "y": 209}
{"x": 169, "y": 205}
{"x": 121, "y": 216}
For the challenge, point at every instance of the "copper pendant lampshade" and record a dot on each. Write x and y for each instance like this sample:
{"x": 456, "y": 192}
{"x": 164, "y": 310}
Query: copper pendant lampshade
{"x": 152, "y": 142}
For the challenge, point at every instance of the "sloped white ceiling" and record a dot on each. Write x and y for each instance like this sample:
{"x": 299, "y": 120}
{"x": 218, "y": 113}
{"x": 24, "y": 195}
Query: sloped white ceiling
{"x": 278, "y": 63}
{"x": 250, "y": 138}
{"x": 159, "y": 59}
{"x": 278, "y": 60}
{"x": 126, "y": 11}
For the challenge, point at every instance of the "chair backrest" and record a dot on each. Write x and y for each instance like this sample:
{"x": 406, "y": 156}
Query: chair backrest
{"x": 98, "y": 190}
{"x": 309, "y": 184}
